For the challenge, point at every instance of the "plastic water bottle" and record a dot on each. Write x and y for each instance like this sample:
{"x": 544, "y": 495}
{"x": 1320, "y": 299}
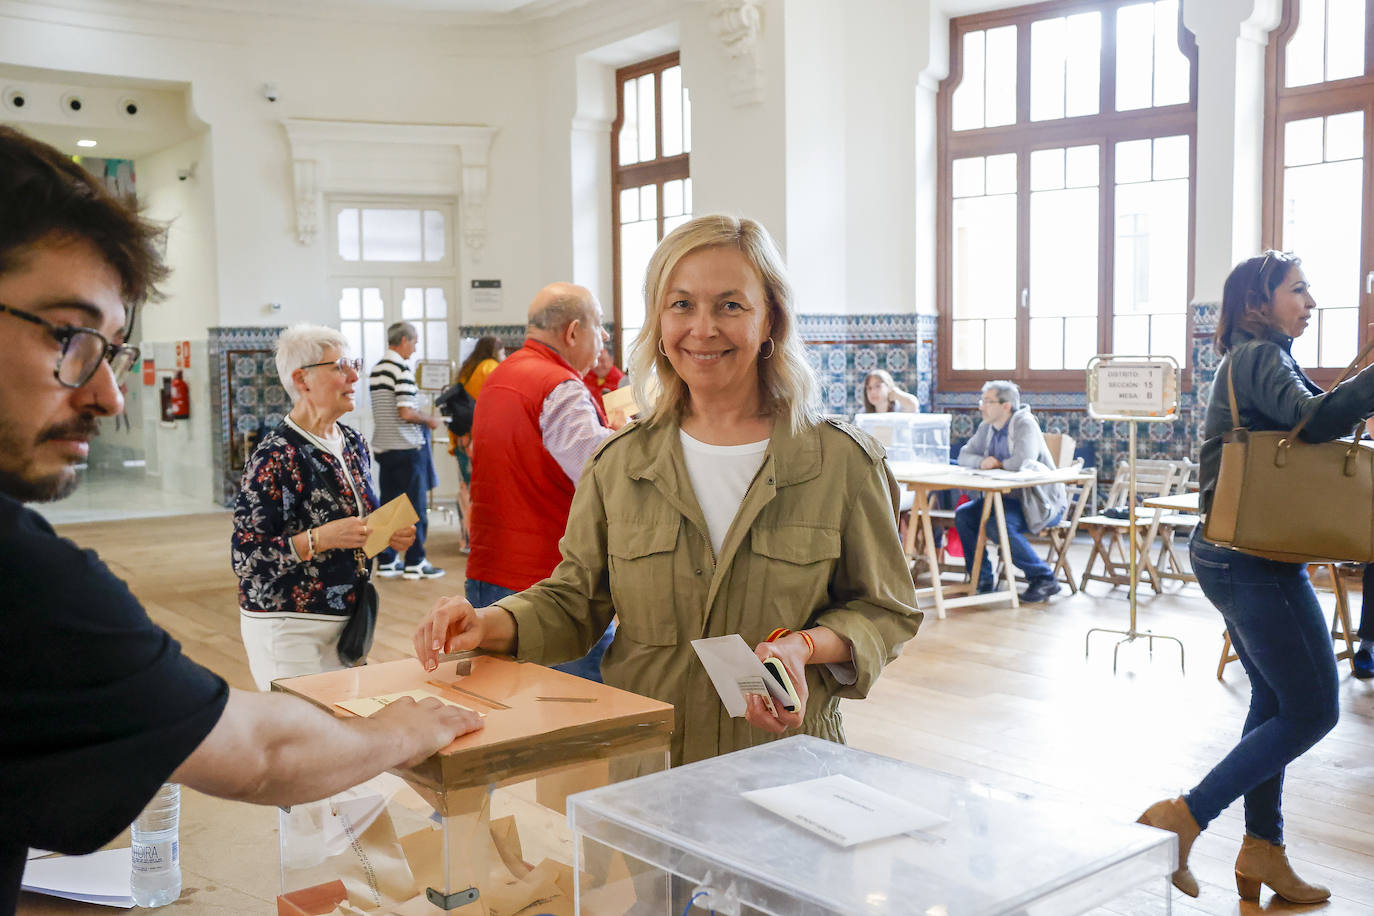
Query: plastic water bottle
{"x": 156, "y": 877}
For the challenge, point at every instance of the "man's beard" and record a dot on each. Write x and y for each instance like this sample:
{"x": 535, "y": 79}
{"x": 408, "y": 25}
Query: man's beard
{"x": 50, "y": 487}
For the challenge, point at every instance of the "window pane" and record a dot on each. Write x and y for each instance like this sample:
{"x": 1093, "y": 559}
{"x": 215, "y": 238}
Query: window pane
{"x": 967, "y": 177}
{"x": 1130, "y": 334}
{"x": 1047, "y": 343}
{"x": 648, "y": 139}
{"x": 1081, "y": 168}
{"x": 434, "y": 236}
{"x": 1169, "y": 336}
{"x": 648, "y": 202}
{"x": 672, "y": 222}
{"x": 349, "y": 240}
{"x": 686, "y": 121}
{"x": 1047, "y": 70}
{"x": 1340, "y": 334}
{"x": 391, "y": 235}
{"x": 1151, "y": 247}
{"x": 1305, "y": 51}
{"x": 372, "y": 304}
{"x": 984, "y": 257}
{"x": 1083, "y": 74}
{"x": 967, "y": 346}
{"x": 637, "y": 243}
{"x": 1321, "y": 223}
{"x": 629, "y": 205}
{"x": 374, "y": 344}
{"x": 436, "y": 302}
{"x": 1001, "y": 343}
{"x": 1133, "y": 161}
{"x": 1171, "y": 157}
{"x": 1302, "y": 142}
{"x": 1345, "y": 33}
{"x": 1080, "y": 341}
{"x": 967, "y": 113}
{"x": 629, "y": 127}
{"x": 1345, "y": 136}
{"x": 350, "y": 304}
{"x": 437, "y": 336}
{"x": 420, "y": 339}
{"x": 1001, "y": 174}
{"x": 1171, "y": 66}
{"x": 353, "y": 333}
{"x": 1047, "y": 169}
{"x": 687, "y": 196}
{"x": 413, "y": 304}
{"x": 1001, "y": 70}
{"x": 1135, "y": 29}
{"x": 672, "y": 111}
{"x": 1064, "y": 249}
{"x": 672, "y": 197}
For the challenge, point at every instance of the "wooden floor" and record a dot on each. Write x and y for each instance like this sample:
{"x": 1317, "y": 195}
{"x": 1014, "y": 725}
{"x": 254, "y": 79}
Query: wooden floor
{"x": 1000, "y": 696}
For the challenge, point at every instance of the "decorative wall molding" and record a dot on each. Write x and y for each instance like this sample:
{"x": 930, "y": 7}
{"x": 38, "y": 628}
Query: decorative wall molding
{"x": 364, "y": 157}
{"x": 739, "y": 24}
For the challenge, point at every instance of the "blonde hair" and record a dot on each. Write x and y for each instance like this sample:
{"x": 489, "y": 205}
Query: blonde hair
{"x": 786, "y": 382}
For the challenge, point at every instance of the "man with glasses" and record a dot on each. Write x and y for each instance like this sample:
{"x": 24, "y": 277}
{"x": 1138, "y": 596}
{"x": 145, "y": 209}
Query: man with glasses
{"x": 98, "y": 707}
{"x": 1009, "y": 437}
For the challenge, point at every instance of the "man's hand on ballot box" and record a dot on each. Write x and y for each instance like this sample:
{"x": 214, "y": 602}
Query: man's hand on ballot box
{"x": 456, "y": 626}
{"x": 431, "y": 724}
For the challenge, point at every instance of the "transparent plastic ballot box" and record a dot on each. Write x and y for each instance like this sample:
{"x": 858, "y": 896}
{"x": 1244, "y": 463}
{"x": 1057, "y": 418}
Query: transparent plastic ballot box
{"x": 688, "y": 841}
{"x": 478, "y": 828}
{"x": 914, "y": 440}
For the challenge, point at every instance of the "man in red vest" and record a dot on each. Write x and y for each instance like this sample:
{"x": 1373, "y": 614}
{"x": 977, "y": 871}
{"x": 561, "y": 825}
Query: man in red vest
{"x": 535, "y": 426}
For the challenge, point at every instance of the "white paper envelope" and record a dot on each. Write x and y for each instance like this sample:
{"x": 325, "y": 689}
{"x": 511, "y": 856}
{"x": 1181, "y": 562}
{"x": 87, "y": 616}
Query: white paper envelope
{"x": 844, "y": 810}
{"x": 735, "y": 671}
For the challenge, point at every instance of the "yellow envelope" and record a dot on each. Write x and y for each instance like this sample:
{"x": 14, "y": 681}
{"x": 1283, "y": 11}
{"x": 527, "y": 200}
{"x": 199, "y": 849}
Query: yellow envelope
{"x": 386, "y": 521}
{"x": 366, "y": 706}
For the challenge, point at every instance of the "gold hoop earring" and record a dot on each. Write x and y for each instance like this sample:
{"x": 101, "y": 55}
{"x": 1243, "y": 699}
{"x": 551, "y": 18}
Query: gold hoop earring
{"x": 772, "y": 348}
{"x": 660, "y": 348}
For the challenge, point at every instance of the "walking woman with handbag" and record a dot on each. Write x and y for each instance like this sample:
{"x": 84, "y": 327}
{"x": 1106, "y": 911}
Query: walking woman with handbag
{"x": 1271, "y": 612}
{"x": 307, "y": 601}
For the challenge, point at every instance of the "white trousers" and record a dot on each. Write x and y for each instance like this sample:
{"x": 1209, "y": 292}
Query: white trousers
{"x": 289, "y": 646}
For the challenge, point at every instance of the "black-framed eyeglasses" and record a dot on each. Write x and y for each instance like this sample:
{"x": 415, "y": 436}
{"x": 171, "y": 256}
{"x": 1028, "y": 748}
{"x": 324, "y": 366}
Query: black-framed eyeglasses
{"x": 83, "y": 349}
{"x": 343, "y": 364}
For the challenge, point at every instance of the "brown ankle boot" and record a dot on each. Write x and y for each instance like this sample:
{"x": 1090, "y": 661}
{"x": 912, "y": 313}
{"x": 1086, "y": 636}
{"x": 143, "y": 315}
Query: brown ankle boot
{"x": 1173, "y": 815}
{"x": 1262, "y": 862}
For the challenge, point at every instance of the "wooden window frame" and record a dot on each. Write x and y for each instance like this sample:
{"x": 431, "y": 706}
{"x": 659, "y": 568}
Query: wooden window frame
{"x": 1283, "y": 104}
{"x": 657, "y": 171}
{"x": 1104, "y": 129}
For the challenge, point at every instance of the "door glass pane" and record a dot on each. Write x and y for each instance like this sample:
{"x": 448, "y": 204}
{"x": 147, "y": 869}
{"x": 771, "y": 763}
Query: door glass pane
{"x": 391, "y": 235}
{"x": 648, "y": 202}
{"x": 966, "y": 351}
{"x": 687, "y": 196}
{"x": 628, "y": 149}
{"x": 1064, "y": 253}
{"x": 1001, "y": 174}
{"x": 672, "y": 111}
{"x": 350, "y": 303}
{"x": 1171, "y": 157}
{"x": 637, "y": 243}
{"x": 983, "y": 277}
{"x": 353, "y": 333}
{"x": 435, "y": 245}
{"x": 1047, "y": 169}
{"x": 1321, "y": 224}
{"x": 1133, "y": 161}
{"x": 648, "y": 138}
{"x": 1081, "y": 169}
{"x": 372, "y": 304}
{"x": 1150, "y": 270}
{"x": 967, "y": 177}
{"x": 413, "y": 304}
{"x": 436, "y": 302}
{"x": 629, "y": 205}
{"x": 1080, "y": 341}
{"x": 419, "y": 341}
{"x": 1001, "y": 70}
{"x": 1345, "y": 36}
{"x": 1169, "y": 336}
{"x": 1305, "y": 347}
{"x": 672, "y": 198}
{"x": 1303, "y": 58}
{"x": 1340, "y": 334}
{"x": 1130, "y": 334}
{"x": 374, "y": 344}
{"x": 967, "y": 106}
{"x": 1345, "y": 136}
{"x": 436, "y": 334}
{"x": 349, "y": 240}
{"x": 1302, "y": 142}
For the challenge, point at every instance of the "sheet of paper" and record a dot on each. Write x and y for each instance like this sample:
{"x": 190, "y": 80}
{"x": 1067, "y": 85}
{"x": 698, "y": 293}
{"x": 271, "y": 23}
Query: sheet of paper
{"x": 621, "y": 399}
{"x": 101, "y": 877}
{"x": 366, "y": 706}
{"x": 735, "y": 671}
{"x": 39, "y": 853}
{"x": 844, "y": 811}
{"x": 386, "y": 521}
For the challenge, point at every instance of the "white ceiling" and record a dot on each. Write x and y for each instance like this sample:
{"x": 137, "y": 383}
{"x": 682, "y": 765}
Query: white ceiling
{"x": 371, "y": 8}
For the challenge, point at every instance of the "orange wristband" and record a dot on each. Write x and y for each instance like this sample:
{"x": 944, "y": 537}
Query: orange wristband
{"x": 810, "y": 644}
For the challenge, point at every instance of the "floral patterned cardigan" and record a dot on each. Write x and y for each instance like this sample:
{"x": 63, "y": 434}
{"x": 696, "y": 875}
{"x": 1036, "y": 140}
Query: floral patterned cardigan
{"x": 289, "y": 485}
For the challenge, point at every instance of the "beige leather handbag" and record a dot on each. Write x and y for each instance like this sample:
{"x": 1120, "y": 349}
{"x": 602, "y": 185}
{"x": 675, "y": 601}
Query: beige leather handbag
{"x": 1300, "y": 502}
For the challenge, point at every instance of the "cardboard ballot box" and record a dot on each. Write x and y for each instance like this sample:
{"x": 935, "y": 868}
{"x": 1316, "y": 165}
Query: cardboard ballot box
{"x": 804, "y": 827}
{"x": 477, "y": 828}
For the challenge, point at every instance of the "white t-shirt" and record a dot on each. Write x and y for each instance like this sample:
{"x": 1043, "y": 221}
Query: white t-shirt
{"x": 720, "y": 476}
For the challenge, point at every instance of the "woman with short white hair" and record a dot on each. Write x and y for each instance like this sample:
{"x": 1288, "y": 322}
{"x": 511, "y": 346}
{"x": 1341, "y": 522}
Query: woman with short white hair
{"x": 304, "y": 590}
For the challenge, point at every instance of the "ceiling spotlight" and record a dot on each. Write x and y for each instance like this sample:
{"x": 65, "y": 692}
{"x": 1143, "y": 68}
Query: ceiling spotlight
{"x": 85, "y": 143}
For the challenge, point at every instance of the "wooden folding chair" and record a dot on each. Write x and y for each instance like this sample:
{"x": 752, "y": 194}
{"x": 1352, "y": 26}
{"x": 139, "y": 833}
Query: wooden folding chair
{"x": 1082, "y": 491}
{"x": 1110, "y": 550}
{"x": 1168, "y": 563}
{"x": 1340, "y": 615}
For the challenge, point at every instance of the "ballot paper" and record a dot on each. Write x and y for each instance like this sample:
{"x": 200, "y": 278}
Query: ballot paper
{"x": 736, "y": 672}
{"x": 844, "y": 811}
{"x": 101, "y": 877}
{"x": 386, "y": 521}
{"x": 366, "y": 706}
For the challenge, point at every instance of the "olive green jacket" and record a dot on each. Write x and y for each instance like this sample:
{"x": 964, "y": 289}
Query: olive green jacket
{"x": 814, "y": 544}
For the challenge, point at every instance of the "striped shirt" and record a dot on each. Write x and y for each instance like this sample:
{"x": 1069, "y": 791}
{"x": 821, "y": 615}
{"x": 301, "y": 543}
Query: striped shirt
{"x": 392, "y": 386}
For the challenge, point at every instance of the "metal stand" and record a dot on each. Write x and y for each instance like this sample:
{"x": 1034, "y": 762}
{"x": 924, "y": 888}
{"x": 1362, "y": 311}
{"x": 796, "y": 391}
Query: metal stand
{"x": 1132, "y": 634}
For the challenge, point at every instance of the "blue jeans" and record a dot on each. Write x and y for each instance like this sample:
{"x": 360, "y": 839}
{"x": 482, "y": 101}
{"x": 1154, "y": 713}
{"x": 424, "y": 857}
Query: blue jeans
{"x": 1023, "y": 555}
{"x": 1280, "y": 635}
{"x": 406, "y": 471}
{"x": 1366, "y": 630}
{"x": 481, "y": 594}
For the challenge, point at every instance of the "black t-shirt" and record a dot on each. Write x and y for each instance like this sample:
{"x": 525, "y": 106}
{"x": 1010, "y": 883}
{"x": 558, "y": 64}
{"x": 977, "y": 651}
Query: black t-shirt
{"x": 97, "y": 704}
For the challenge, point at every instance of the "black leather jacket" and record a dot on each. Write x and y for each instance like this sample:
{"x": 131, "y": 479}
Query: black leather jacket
{"x": 1273, "y": 393}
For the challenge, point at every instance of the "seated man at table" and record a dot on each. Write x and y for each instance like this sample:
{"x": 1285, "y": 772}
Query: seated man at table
{"x": 1009, "y": 437}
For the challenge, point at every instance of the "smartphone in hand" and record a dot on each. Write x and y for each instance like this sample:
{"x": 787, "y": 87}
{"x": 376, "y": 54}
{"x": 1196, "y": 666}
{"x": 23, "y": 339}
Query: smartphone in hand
{"x": 782, "y": 684}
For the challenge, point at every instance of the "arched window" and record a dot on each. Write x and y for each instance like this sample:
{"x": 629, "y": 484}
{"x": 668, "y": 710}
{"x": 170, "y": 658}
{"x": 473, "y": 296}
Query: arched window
{"x": 1317, "y": 191}
{"x": 1066, "y": 202}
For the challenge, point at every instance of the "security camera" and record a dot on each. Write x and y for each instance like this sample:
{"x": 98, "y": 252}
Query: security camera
{"x": 269, "y": 92}
{"x": 188, "y": 172}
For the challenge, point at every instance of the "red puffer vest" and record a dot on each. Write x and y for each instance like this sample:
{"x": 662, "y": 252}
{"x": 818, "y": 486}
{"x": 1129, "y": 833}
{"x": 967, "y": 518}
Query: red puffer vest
{"x": 520, "y": 494}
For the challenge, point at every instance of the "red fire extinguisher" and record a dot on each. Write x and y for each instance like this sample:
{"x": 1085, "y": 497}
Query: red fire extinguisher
{"x": 181, "y": 397}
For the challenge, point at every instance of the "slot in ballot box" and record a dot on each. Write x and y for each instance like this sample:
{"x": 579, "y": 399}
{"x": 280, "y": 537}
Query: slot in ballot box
{"x": 478, "y": 828}
{"x": 690, "y": 831}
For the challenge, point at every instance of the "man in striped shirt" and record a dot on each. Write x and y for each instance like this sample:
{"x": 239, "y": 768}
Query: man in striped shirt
{"x": 399, "y": 442}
